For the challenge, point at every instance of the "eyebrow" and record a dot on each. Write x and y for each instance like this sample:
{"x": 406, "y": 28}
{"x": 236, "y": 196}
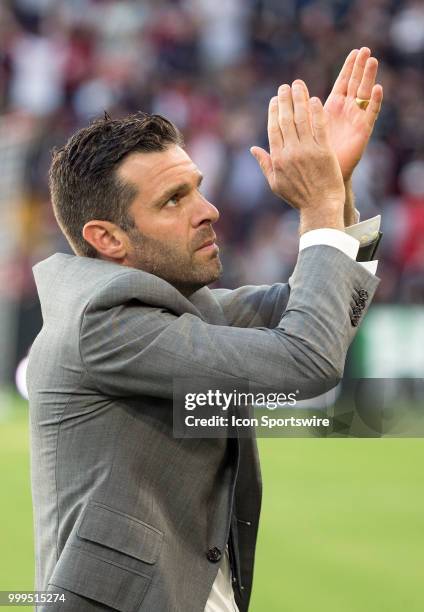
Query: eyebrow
{"x": 182, "y": 187}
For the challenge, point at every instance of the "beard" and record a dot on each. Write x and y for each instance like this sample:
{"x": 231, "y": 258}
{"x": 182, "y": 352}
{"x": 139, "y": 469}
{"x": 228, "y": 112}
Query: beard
{"x": 186, "y": 269}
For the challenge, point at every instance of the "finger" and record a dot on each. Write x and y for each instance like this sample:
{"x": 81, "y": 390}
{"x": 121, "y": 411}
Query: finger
{"x": 319, "y": 122}
{"x": 341, "y": 83}
{"x": 301, "y": 112}
{"x": 368, "y": 79}
{"x": 275, "y": 137}
{"x": 306, "y": 94}
{"x": 286, "y": 115}
{"x": 357, "y": 72}
{"x": 264, "y": 160}
{"x": 304, "y": 87}
{"x": 374, "y": 106}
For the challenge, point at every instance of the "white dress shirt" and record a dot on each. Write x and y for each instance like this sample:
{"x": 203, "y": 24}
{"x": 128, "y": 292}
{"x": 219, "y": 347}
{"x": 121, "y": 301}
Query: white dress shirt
{"x": 221, "y": 598}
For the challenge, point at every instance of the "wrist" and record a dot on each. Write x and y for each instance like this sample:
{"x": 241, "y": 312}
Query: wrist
{"x": 328, "y": 216}
{"x": 349, "y": 205}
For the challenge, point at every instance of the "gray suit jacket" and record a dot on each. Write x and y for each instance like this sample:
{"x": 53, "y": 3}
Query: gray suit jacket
{"x": 126, "y": 515}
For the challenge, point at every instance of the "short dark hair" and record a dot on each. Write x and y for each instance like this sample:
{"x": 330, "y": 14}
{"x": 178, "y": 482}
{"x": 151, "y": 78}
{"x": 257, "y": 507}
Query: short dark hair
{"x": 83, "y": 180}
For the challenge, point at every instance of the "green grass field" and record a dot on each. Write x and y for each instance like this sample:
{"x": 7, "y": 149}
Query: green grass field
{"x": 342, "y": 526}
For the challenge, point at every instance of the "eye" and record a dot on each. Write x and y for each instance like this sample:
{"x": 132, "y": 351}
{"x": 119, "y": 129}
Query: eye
{"x": 173, "y": 201}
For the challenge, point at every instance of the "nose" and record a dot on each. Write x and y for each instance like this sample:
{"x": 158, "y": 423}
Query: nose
{"x": 204, "y": 212}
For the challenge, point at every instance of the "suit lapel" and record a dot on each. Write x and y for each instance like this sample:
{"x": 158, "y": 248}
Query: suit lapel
{"x": 207, "y": 305}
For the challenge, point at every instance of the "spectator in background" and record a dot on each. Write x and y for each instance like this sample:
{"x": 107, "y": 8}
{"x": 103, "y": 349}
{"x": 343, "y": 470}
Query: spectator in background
{"x": 411, "y": 249}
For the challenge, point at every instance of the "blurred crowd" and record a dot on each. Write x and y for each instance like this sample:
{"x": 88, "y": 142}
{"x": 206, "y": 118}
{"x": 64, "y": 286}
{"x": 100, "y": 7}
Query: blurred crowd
{"x": 211, "y": 66}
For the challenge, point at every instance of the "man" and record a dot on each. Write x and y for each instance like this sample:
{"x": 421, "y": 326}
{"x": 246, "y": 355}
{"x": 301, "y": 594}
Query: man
{"x": 127, "y": 517}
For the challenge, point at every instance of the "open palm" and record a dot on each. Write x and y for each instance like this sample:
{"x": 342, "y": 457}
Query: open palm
{"x": 350, "y": 126}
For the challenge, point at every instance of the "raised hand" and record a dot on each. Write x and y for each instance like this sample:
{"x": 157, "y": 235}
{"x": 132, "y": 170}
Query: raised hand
{"x": 350, "y": 127}
{"x": 302, "y": 167}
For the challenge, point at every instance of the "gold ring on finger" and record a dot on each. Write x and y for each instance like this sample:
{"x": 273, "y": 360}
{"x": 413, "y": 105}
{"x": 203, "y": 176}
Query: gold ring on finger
{"x": 362, "y": 103}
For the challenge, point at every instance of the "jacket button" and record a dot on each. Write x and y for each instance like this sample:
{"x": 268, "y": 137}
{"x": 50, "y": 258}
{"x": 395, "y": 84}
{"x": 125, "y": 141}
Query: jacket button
{"x": 363, "y": 294}
{"x": 214, "y": 554}
{"x": 360, "y": 302}
{"x": 357, "y": 310}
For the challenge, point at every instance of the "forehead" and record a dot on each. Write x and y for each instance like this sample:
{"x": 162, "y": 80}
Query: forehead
{"x": 153, "y": 173}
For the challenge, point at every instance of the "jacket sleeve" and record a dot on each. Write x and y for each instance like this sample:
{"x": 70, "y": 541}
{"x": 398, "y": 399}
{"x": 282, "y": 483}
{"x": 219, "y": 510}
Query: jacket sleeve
{"x": 133, "y": 349}
{"x": 254, "y": 306}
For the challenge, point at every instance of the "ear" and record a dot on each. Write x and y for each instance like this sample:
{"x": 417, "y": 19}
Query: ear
{"x": 109, "y": 240}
